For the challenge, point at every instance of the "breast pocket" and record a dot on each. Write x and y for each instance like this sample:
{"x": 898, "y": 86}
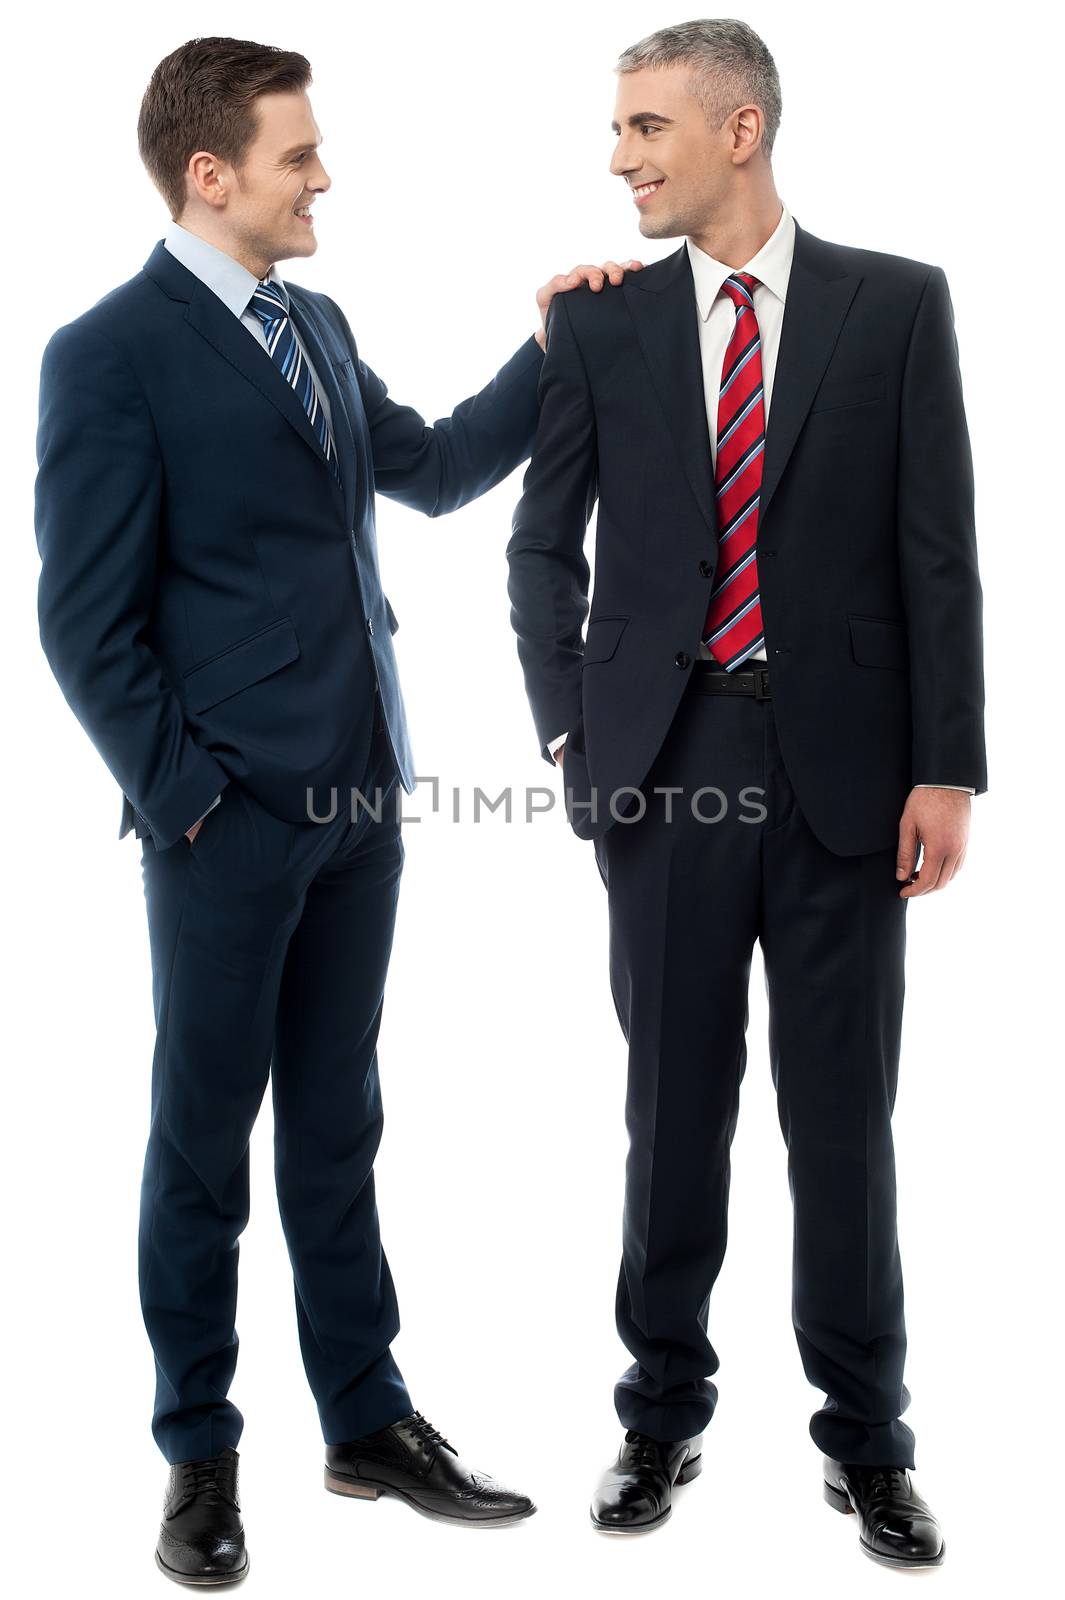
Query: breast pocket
{"x": 347, "y": 381}
{"x": 344, "y": 372}
{"x": 835, "y": 394}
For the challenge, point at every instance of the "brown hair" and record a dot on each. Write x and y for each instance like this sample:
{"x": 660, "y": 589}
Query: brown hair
{"x": 202, "y": 97}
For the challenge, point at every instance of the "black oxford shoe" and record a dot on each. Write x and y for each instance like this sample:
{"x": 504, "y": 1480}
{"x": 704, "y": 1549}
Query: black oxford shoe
{"x": 635, "y": 1492}
{"x": 895, "y": 1526}
{"x": 411, "y": 1460}
{"x": 201, "y": 1540}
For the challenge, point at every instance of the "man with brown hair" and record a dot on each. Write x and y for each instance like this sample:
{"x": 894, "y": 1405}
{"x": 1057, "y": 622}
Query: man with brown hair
{"x": 210, "y": 602}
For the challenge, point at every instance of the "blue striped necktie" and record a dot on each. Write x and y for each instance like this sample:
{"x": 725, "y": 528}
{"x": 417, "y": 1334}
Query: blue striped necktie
{"x": 270, "y": 308}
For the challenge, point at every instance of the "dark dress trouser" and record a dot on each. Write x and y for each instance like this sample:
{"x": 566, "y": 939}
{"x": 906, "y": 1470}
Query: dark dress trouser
{"x": 270, "y": 942}
{"x": 687, "y": 900}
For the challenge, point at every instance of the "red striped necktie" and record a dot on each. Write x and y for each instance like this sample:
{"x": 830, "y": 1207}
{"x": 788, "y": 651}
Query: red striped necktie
{"x": 733, "y": 627}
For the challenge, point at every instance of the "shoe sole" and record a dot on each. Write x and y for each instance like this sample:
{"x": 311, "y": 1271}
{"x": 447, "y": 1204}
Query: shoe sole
{"x": 358, "y": 1489}
{"x": 691, "y": 1469}
{"x": 840, "y": 1502}
{"x": 207, "y": 1582}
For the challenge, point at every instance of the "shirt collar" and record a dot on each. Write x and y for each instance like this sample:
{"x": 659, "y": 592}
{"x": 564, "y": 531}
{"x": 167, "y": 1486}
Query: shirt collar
{"x": 233, "y": 284}
{"x": 771, "y": 265}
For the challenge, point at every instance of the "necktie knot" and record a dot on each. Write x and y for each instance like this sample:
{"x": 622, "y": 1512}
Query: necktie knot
{"x": 739, "y": 286}
{"x": 266, "y": 302}
{"x": 286, "y": 353}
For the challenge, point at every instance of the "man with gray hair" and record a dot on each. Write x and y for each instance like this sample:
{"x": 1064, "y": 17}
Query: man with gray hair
{"x": 777, "y": 709}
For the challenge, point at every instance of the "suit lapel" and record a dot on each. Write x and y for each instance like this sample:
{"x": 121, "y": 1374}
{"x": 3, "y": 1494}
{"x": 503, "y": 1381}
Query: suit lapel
{"x": 818, "y": 299}
{"x": 667, "y": 326}
{"x": 352, "y": 472}
{"x": 232, "y": 340}
{"x": 227, "y": 335}
{"x": 663, "y": 306}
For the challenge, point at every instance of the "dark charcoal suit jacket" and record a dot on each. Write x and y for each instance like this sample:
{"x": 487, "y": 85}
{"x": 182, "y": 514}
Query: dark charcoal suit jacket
{"x": 866, "y": 548}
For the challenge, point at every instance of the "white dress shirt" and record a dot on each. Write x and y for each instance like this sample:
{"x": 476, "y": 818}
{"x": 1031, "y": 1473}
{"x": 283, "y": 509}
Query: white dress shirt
{"x": 771, "y": 266}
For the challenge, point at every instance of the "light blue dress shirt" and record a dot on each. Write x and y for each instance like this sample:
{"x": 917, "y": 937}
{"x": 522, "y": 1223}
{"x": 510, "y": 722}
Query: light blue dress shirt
{"x": 234, "y": 285}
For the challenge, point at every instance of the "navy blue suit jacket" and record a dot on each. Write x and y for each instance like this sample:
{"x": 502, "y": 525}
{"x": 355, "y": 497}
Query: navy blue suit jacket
{"x": 209, "y": 599}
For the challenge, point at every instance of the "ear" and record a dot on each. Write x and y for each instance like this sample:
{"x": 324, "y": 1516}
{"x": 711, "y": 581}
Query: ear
{"x": 206, "y": 178}
{"x": 748, "y": 126}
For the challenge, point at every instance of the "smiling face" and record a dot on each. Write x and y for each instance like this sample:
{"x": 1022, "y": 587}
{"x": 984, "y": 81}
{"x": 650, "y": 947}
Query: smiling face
{"x": 682, "y": 173}
{"x": 257, "y": 212}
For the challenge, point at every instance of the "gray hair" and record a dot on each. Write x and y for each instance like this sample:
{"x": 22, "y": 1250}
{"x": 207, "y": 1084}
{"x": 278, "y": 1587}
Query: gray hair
{"x": 731, "y": 67}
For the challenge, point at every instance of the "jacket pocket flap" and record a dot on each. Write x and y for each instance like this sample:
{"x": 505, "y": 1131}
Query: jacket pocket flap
{"x": 241, "y": 665}
{"x": 604, "y": 635}
{"x": 879, "y": 642}
{"x": 837, "y": 392}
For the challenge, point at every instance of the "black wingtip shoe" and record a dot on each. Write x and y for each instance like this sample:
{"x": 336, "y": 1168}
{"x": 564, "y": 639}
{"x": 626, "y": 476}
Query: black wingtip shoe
{"x": 201, "y": 1539}
{"x": 635, "y": 1492}
{"x": 895, "y": 1526}
{"x": 411, "y": 1460}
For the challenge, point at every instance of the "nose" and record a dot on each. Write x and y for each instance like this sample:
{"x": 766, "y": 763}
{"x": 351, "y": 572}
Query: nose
{"x": 624, "y": 159}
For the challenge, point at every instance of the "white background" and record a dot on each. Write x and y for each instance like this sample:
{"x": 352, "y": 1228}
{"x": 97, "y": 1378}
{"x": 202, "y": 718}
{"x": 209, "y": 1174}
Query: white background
{"x": 468, "y": 148}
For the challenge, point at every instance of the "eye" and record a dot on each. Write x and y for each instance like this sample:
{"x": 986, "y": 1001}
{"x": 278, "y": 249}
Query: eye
{"x": 646, "y": 127}
{"x": 301, "y": 157}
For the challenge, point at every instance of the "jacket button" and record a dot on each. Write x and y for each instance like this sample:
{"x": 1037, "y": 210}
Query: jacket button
{"x": 706, "y": 569}
{"x": 369, "y": 626}
{"x": 682, "y": 659}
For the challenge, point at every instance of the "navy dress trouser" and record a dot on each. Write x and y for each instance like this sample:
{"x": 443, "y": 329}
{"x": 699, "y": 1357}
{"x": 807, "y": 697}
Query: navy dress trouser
{"x": 687, "y": 900}
{"x": 270, "y": 943}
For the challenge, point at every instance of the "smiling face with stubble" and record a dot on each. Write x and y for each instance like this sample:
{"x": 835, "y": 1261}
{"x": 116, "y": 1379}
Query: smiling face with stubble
{"x": 679, "y": 170}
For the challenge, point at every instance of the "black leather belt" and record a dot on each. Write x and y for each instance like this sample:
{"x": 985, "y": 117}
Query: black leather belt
{"x": 710, "y": 678}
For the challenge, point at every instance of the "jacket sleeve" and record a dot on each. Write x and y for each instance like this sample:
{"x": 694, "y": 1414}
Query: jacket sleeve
{"x": 97, "y": 516}
{"x": 439, "y": 468}
{"x": 937, "y": 552}
{"x": 549, "y": 574}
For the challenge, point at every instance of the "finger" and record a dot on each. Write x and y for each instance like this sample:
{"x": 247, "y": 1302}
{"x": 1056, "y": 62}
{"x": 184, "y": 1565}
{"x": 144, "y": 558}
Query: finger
{"x": 906, "y": 855}
{"x": 931, "y": 868}
{"x": 950, "y": 867}
{"x": 558, "y": 285}
{"x": 590, "y": 274}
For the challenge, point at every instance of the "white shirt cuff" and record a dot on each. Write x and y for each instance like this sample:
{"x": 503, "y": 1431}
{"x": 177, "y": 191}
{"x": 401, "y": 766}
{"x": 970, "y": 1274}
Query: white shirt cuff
{"x": 210, "y": 808}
